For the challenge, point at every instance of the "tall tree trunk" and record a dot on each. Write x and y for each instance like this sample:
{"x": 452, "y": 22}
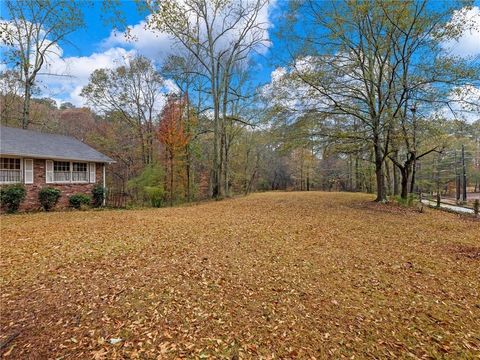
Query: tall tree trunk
{"x": 167, "y": 169}
{"x": 395, "y": 176}
{"x": 414, "y": 173}
{"x": 142, "y": 145}
{"x": 187, "y": 172}
{"x": 226, "y": 169}
{"x": 380, "y": 180}
{"x": 26, "y": 105}
{"x": 358, "y": 184}
{"x": 301, "y": 171}
{"x": 405, "y": 172}
{"x": 216, "y": 178}
{"x": 388, "y": 178}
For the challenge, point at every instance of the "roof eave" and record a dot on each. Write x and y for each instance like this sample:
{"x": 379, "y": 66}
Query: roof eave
{"x": 39, "y": 156}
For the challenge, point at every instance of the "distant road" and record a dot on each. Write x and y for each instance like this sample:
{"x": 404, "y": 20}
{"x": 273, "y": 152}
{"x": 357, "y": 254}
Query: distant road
{"x": 458, "y": 209}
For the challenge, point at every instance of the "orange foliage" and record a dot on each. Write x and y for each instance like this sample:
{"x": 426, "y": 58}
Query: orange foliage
{"x": 173, "y": 137}
{"x": 171, "y": 132}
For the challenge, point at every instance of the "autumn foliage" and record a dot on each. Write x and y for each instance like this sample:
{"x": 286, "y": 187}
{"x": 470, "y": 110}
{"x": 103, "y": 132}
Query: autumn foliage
{"x": 174, "y": 138}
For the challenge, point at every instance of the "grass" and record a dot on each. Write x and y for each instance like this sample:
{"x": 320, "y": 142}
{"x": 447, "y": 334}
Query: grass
{"x": 273, "y": 275}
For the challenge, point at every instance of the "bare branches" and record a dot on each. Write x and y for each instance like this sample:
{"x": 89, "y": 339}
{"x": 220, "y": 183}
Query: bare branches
{"x": 34, "y": 31}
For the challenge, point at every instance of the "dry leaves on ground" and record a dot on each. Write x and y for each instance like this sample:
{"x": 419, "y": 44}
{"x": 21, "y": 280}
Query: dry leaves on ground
{"x": 273, "y": 275}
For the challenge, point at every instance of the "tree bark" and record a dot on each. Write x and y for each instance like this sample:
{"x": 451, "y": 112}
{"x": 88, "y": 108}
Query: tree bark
{"x": 379, "y": 173}
{"x": 414, "y": 173}
{"x": 405, "y": 172}
{"x": 26, "y": 105}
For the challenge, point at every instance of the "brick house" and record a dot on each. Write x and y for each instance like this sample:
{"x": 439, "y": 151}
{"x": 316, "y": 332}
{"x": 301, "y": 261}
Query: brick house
{"x": 38, "y": 160}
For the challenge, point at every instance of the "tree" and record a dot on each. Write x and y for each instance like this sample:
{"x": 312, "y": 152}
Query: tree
{"x": 134, "y": 91}
{"x": 33, "y": 33}
{"x": 172, "y": 135}
{"x": 360, "y": 59}
{"x": 185, "y": 71}
{"x": 10, "y": 97}
{"x": 219, "y": 34}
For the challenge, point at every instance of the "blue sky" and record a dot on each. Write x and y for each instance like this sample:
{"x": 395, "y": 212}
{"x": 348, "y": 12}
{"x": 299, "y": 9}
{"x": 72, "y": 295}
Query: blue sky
{"x": 97, "y": 46}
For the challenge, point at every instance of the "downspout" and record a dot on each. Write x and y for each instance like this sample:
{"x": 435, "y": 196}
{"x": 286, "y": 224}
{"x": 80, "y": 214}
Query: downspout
{"x": 104, "y": 202}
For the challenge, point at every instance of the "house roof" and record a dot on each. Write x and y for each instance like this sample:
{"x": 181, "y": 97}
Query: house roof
{"x": 20, "y": 142}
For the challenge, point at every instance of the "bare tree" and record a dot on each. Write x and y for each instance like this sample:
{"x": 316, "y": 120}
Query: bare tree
{"x": 135, "y": 91}
{"x": 360, "y": 59}
{"x": 219, "y": 34}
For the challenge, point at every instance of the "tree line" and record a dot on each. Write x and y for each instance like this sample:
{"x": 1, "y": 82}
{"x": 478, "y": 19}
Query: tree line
{"x": 364, "y": 93}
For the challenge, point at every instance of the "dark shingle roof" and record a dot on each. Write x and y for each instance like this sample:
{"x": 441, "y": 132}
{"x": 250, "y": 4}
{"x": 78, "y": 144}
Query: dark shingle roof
{"x": 35, "y": 144}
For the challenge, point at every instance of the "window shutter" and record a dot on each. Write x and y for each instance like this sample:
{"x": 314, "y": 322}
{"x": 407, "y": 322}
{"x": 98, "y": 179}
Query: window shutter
{"x": 48, "y": 171}
{"x": 28, "y": 168}
{"x": 92, "y": 172}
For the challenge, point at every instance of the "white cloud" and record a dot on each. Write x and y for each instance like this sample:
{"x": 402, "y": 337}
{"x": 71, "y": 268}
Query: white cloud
{"x": 468, "y": 44}
{"x": 157, "y": 45}
{"x": 170, "y": 86}
{"x": 71, "y": 74}
{"x": 152, "y": 44}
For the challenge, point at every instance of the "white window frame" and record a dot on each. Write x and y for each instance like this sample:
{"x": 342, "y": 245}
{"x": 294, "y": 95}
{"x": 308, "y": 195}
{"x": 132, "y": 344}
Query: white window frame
{"x": 21, "y": 171}
{"x": 87, "y": 171}
{"x": 71, "y": 172}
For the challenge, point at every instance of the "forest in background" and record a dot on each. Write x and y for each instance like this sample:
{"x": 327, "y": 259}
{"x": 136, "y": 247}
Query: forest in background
{"x": 367, "y": 100}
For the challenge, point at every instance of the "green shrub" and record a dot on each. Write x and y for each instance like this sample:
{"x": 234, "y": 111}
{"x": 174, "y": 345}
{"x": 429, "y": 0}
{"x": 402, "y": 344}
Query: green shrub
{"x": 78, "y": 200}
{"x": 155, "y": 195}
{"x": 408, "y": 202}
{"x": 98, "y": 194}
{"x": 11, "y": 197}
{"x": 148, "y": 186}
{"x": 48, "y": 197}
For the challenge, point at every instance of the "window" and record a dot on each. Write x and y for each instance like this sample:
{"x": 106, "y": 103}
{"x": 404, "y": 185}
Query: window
{"x": 61, "y": 171}
{"x": 10, "y": 171}
{"x": 80, "y": 172}
{"x": 66, "y": 171}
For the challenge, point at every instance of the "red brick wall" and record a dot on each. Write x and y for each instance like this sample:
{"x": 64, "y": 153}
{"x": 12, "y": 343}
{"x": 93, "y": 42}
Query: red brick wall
{"x": 31, "y": 200}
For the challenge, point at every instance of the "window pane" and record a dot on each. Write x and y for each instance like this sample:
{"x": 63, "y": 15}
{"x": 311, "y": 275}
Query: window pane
{"x": 10, "y": 170}
{"x": 61, "y": 166}
{"x": 61, "y": 171}
{"x": 10, "y": 164}
{"x": 80, "y": 172}
{"x": 80, "y": 167}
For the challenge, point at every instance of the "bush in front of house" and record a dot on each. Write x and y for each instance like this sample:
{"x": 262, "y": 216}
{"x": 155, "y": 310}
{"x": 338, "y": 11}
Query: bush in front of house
{"x": 98, "y": 194}
{"x": 12, "y": 196}
{"x": 48, "y": 197}
{"x": 79, "y": 200}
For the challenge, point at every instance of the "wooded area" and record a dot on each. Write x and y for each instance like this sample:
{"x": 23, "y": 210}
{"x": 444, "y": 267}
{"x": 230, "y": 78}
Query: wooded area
{"x": 366, "y": 98}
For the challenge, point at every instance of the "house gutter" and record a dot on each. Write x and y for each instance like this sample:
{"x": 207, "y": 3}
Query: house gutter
{"x": 104, "y": 187}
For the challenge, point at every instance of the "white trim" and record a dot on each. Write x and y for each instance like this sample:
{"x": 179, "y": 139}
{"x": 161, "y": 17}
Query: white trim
{"x": 21, "y": 170}
{"x": 28, "y": 172}
{"x": 70, "y": 170}
{"x": 49, "y": 179}
{"x": 92, "y": 173}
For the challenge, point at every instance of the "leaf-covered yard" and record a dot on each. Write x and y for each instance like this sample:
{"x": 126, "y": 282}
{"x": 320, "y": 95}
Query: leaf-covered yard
{"x": 273, "y": 275}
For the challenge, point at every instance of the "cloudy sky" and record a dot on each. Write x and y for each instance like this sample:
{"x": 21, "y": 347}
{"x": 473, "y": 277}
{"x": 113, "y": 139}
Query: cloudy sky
{"x": 99, "y": 46}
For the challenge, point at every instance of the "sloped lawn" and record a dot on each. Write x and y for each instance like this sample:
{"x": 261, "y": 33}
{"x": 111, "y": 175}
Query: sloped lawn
{"x": 274, "y": 275}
